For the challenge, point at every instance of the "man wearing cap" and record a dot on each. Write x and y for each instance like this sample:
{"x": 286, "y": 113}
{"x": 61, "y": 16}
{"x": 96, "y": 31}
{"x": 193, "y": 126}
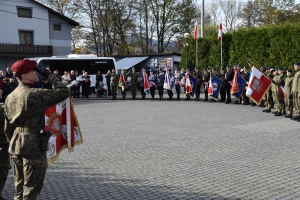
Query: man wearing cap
{"x": 198, "y": 75}
{"x": 141, "y": 81}
{"x": 287, "y": 93}
{"x": 206, "y": 78}
{"x": 296, "y": 91}
{"x": 178, "y": 77}
{"x": 277, "y": 82}
{"x": 227, "y": 84}
{"x": 269, "y": 99}
{"x": 246, "y": 76}
{"x": 4, "y": 155}
{"x": 24, "y": 119}
{"x": 133, "y": 81}
{"x": 160, "y": 83}
{"x": 114, "y": 79}
{"x": 152, "y": 82}
{"x": 222, "y": 88}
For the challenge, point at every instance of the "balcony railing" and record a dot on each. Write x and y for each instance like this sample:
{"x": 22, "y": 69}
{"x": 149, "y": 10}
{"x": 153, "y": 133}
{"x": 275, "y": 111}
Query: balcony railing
{"x": 17, "y": 49}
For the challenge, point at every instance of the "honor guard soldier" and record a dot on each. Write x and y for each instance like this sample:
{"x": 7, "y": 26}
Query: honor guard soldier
{"x": 296, "y": 92}
{"x": 170, "y": 92}
{"x": 178, "y": 77}
{"x": 123, "y": 83}
{"x": 206, "y": 78}
{"x": 240, "y": 71}
{"x": 246, "y": 76}
{"x": 152, "y": 80}
{"x": 287, "y": 93}
{"x": 222, "y": 89}
{"x": 268, "y": 96}
{"x": 133, "y": 82}
{"x": 278, "y": 97}
{"x": 141, "y": 81}
{"x": 24, "y": 123}
{"x": 198, "y": 75}
{"x": 4, "y": 155}
{"x": 160, "y": 84}
{"x": 214, "y": 72}
{"x": 227, "y": 83}
{"x": 114, "y": 79}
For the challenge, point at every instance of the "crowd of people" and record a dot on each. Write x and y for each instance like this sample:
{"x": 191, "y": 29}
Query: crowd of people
{"x": 282, "y": 95}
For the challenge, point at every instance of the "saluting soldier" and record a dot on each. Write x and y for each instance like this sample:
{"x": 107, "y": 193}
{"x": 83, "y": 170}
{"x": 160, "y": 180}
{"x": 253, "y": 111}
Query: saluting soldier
{"x": 268, "y": 97}
{"x": 206, "y": 78}
{"x": 287, "y": 93}
{"x": 133, "y": 82}
{"x": 4, "y": 155}
{"x": 277, "y": 81}
{"x": 198, "y": 75}
{"x": 114, "y": 79}
{"x": 222, "y": 89}
{"x": 178, "y": 77}
{"x": 227, "y": 83}
{"x": 296, "y": 91}
{"x": 152, "y": 80}
{"x": 160, "y": 83}
{"x": 24, "y": 119}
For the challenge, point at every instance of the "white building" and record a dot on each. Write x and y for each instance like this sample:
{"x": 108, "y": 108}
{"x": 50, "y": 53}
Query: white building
{"x": 30, "y": 29}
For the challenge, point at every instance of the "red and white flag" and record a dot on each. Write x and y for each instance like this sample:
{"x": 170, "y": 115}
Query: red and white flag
{"x": 188, "y": 85}
{"x": 234, "y": 85}
{"x": 196, "y": 31}
{"x": 220, "y": 31}
{"x": 210, "y": 88}
{"x": 281, "y": 90}
{"x": 258, "y": 85}
{"x": 61, "y": 120}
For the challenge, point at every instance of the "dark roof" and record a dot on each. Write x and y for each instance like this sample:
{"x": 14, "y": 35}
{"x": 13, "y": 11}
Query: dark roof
{"x": 70, "y": 21}
{"x": 141, "y": 55}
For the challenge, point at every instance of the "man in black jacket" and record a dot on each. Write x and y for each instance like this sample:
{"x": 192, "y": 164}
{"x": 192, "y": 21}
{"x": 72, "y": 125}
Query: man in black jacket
{"x": 227, "y": 83}
{"x": 198, "y": 75}
{"x": 206, "y": 78}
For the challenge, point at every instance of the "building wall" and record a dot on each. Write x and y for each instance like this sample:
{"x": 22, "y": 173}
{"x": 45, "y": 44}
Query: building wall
{"x": 60, "y": 39}
{"x": 37, "y": 24}
{"x": 7, "y": 61}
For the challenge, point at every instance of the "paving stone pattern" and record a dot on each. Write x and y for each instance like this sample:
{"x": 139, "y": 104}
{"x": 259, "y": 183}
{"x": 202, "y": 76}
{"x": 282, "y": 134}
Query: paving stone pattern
{"x": 169, "y": 150}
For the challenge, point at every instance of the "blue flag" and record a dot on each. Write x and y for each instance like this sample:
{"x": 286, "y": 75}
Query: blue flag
{"x": 214, "y": 86}
{"x": 191, "y": 83}
{"x": 241, "y": 85}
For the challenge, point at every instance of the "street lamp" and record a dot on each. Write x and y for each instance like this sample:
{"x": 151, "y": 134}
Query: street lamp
{"x": 186, "y": 36}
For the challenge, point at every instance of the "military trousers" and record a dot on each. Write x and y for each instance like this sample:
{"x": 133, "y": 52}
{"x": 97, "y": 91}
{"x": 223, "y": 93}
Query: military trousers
{"x": 288, "y": 104}
{"x": 296, "y": 103}
{"x": 133, "y": 90}
{"x": 4, "y": 168}
{"x": 222, "y": 94}
{"x": 113, "y": 90}
{"x": 152, "y": 91}
{"x": 160, "y": 91}
{"x": 29, "y": 175}
{"x": 123, "y": 91}
{"x": 279, "y": 103}
{"x": 170, "y": 94}
{"x": 177, "y": 87}
{"x": 269, "y": 100}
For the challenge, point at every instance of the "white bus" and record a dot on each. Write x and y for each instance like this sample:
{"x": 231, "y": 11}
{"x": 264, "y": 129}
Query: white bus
{"x": 90, "y": 63}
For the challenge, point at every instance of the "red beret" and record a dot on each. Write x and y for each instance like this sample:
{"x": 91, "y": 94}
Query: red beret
{"x": 1, "y": 84}
{"x": 23, "y": 66}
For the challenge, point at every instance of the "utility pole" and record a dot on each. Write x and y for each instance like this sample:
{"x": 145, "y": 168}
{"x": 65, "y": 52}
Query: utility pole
{"x": 202, "y": 19}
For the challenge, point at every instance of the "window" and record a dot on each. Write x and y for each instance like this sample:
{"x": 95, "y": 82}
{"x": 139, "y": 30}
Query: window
{"x": 57, "y": 27}
{"x": 26, "y": 37}
{"x": 25, "y": 12}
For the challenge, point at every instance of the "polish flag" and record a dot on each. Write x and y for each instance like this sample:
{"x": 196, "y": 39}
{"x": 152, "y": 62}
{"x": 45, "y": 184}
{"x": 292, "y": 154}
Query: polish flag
{"x": 196, "y": 32}
{"x": 220, "y": 31}
{"x": 210, "y": 88}
{"x": 258, "y": 85}
{"x": 188, "y": 86}
{"x": 281, "y": 90}
{"x": 235, "y": 86}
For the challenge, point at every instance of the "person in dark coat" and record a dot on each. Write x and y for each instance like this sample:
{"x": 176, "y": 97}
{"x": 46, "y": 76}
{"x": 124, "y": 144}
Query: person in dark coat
{"x": 246, "y": 76}
{"x": 107, "y": 76}
{"x": 141, "y": 81}
{"x": 86, "y": 84}
{"x": 198, "y": 75}
{"x": 227, "y": 83}
{"x": 160, "y": 83}
{"x": 206, "y": 78}
{"x": 99, "y": 77}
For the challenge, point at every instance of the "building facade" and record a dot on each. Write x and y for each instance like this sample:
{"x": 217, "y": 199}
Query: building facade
{"x": 30, "y": 29}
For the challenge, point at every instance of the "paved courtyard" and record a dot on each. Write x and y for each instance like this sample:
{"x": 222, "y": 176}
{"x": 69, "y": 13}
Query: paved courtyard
{"x": 168, "y": 150}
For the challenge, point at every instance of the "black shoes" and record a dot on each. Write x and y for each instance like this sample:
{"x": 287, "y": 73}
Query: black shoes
{"x": 288, "y": 116}
{"x": 275, "y": 112}
{"x": 278, "y": 114}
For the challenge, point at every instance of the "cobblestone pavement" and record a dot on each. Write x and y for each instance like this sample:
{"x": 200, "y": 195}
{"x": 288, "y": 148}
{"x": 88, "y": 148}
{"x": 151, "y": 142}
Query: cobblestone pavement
{"x": 168, "y": 150}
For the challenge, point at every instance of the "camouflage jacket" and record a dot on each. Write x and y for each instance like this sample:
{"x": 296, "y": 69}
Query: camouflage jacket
{"x": 25, "y": 107}
{"x": 114, "y": 79}
{"x": 134, "y": 77}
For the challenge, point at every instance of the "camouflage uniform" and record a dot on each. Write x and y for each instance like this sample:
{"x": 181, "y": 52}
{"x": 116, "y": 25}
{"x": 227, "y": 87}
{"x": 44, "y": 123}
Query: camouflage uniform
{"x": 133, "y": 83}
{"x": 4, "y": 155}
{"x": 277, "y": 96}
{"x": 287, "y": 91}
{"x": 114, "y": 79}
{"x": 295, "y": 92}
{"x": 269, "y": 97}
{"x": 24, "y": 110}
